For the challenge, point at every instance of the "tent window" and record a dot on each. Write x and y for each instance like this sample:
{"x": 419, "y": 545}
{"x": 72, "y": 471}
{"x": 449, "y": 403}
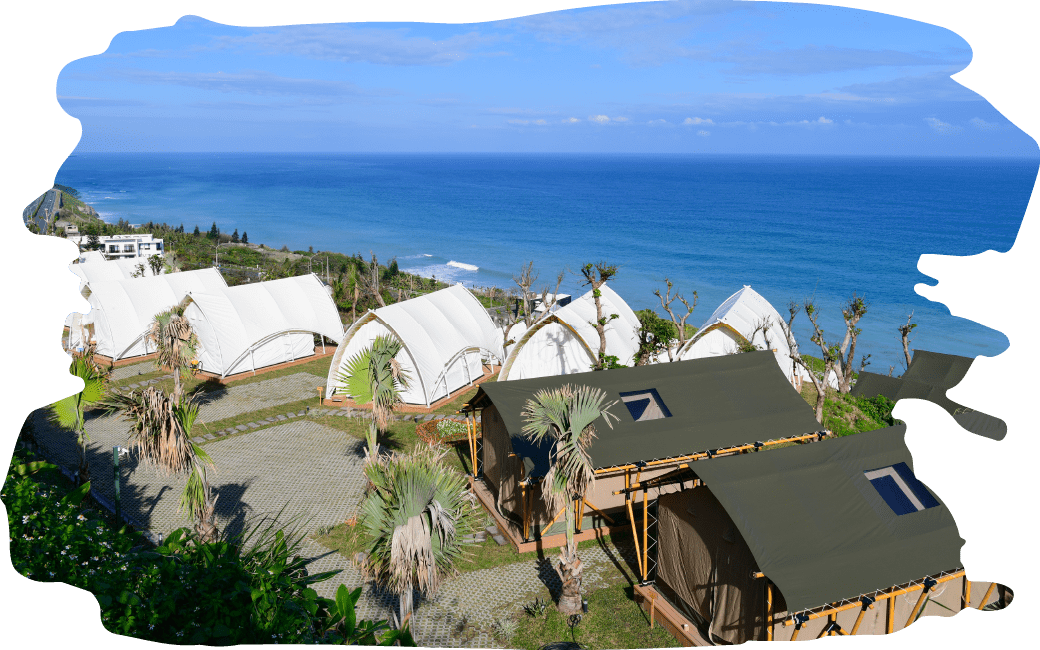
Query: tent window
{"x": 645, "y": 405}
{"x": 900, "y": 489}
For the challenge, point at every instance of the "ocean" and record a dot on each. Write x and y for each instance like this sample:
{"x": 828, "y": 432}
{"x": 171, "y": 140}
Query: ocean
{"x": 791, "y": 227}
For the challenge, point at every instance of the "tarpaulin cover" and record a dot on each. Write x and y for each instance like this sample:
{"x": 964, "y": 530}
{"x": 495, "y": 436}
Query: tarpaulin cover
{"x": 928, "y": 377}
{"x": 714, "y": 403}
{"x": 819, "y": 529}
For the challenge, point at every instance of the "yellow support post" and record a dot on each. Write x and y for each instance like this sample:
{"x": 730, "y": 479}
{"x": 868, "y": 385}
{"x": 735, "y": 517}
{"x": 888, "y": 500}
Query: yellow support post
{"x": 601, "y": 513}
{"x": 966, "y": 598}
{"x": 632, "y": 520}
{"x": 769, "y": 611}
{"x": 890, "y": 624}
{"x": 550, "y": 524}
{"x": 653, "y": 601}
{"x": 646, "y": 527}
{"x": 917, "y": 606}
{"x": 986, "y": 597}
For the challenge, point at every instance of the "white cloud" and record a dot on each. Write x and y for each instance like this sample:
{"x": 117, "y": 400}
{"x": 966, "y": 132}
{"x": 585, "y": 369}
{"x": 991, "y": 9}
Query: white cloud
{"x": 599, "y": 119}
{"x": 945, "y": 128}
{"x": 570, "y": 120}
{"x": 540, "y": 122}
{"x": 660, "y": 122}
{"x": 704, "y": 134}
{"x": 980, "y": 123}
{"x": 350, "y": 43}
{"x": 824, "y": 120}
{"x": 620, "y": 119}
{"x": 524, "y": 122}
{"x": 697, "y": 120}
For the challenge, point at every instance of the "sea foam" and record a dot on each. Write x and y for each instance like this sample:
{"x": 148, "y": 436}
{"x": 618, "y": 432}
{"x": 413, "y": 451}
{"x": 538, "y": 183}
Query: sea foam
{"x": 463, "y": 265}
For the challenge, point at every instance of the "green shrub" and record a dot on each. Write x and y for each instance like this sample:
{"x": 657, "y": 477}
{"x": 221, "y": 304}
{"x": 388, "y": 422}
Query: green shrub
{"x": 253, "y": 589}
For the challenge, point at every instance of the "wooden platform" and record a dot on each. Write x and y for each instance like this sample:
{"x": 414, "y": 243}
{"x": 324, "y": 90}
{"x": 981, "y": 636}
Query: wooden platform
{"x": 318, "y": 354}
{"x": 669, "y": 617}
{"x": 515, "y": 536}
{"x": 488, "y": 373}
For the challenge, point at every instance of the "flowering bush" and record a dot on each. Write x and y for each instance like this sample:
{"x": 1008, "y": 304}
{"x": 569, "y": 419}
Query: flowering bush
{"x": 255, "y": 590}
{"x": 441, "y": 431}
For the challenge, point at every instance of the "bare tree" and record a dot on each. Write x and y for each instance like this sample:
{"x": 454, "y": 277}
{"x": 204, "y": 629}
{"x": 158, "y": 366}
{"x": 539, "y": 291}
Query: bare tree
{"x": 596, "y": 275}
{"x": 796, "y": 358}
{"x": 680, "y": 322}
{"x": 852, "y": 312}
{"x": 528, "y": 276}
{"x": 904, "y": 333}
{"x": 832, "y": 356}
{"x": 547, "y": 304}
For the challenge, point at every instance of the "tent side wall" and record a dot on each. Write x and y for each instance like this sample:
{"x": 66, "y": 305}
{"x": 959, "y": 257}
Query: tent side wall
{"x": 693, "y": 528}
{"x": 548, "y": 349}
{"x": 289, "y": 346}
{"x": 362, "y": 338}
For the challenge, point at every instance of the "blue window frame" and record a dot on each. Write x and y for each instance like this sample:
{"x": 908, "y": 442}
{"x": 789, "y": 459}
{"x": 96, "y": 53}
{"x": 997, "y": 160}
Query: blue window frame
{"x": 900, "y": 489}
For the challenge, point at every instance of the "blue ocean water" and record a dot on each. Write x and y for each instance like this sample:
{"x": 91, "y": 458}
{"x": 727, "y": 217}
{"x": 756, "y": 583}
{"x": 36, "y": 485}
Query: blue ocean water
{"x": 792, "y": 227}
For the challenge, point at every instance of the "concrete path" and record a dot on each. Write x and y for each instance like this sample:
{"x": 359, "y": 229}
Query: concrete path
{"x": 311, "y": 475}
{"x": 231, "y": 401}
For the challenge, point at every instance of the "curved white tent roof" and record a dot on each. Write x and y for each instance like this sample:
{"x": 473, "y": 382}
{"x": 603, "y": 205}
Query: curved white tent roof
{"x": 122, "y": 310}
{"x": 445, "y": 334}
{"x": 250, "y": 326}
{"x": 565, "y": 341}
{"x": 93, "y": 267}
{"x": 735, "y": 322}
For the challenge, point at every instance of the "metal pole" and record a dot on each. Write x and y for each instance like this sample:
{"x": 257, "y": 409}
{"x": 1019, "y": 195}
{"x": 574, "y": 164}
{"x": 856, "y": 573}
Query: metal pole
{"x": 116, "y": 481}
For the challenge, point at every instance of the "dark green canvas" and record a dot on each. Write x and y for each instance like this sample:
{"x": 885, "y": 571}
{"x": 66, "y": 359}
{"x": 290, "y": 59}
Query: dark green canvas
{"x": 819, "y": 529}
{"x": 715, "y": 402}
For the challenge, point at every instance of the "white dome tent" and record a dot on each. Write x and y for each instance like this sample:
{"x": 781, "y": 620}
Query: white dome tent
{"x": 737, "y": 321}
{"x": 251, "y": 326}
{"x": 565, "y": 341}
{"x": 446, "y": 337}
{"x": 121, "y": 311}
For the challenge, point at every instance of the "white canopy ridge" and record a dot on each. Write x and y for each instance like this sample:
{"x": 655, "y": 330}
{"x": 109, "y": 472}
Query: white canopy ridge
{"x": 738, "y": 321}
{"x": 121, "y": 311}
{"x": 565, "y": 341}
{"x": 445, "y": 335}
{"x": 251, "y": 326}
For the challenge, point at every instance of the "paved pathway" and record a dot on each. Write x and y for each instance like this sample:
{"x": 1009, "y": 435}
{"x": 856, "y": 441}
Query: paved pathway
{"x": 230, "y": 401}
{"x": 126, "y": 372}
{"x": 312, "y": 475}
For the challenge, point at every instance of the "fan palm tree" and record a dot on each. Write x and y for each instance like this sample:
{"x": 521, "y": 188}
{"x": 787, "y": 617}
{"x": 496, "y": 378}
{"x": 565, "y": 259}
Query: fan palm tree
{"x": 566, "y": 417}
{"x": 374, "y": 375}
{"x": 175, "y": 343}
{"x": 416, "y": 514}
{"x": 160, "y": 429}
{"x": 69, "y": 413}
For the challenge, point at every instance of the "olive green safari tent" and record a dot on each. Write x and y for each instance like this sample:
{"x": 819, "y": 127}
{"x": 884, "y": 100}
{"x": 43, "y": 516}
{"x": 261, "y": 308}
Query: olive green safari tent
{"x": 670, "y": 415}
{"x": 837, "y": 537}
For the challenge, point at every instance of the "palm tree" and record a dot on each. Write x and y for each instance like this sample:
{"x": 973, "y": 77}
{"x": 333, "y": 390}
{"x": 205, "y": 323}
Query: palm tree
{"x": 69, "y": 413}
{"x": 374, "y": 375}
{"x": 175, "y": 343}
{"x": 160, "y": 430}
{"x": 416, "y": 514}
{"x": 566, "y": 416}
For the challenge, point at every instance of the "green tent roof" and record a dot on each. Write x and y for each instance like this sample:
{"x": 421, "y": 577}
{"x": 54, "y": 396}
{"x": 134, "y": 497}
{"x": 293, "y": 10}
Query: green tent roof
{"x": 713, "y": 403}
{"x": 819, "y": 529}
{"x": 928, "y": 377}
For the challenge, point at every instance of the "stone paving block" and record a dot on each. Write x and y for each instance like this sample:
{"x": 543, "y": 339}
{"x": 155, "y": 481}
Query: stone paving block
{"x": 242, "y": 427}
{"x": 252, "y": 425}
{"x": 234, "y": 400}
{"x": 291, "y": 415}
{"x": 208, "y": 436}
{"x": 280, "y": 417}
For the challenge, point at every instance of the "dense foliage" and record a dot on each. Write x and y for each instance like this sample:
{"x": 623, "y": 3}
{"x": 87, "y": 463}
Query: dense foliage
{"x": 253, "y": 589}
{"x": 655, "y": 335}
{"x": 845, "y": 414}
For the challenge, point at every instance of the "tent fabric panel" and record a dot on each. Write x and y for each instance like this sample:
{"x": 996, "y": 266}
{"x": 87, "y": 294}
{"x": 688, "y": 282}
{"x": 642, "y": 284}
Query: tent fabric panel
{"x": 361, "y": 339}
{"x": 817, "y": 527}
{"x": 218, "y": 317}
{"x": 715, "y": 402}
{"x": 708, "y": 566}
{"x": 208, "y": 350}
{"x": 621, "y": 333}
{"x": 279, "y": 349}
{"x": 551, "y": 350}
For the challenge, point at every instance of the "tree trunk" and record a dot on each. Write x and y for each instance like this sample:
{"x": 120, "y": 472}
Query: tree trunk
{"x": 600, "y": 329}
{"x": 569, "y": 570}
{"x": 906, "y": 349}
{"x": 205, "y": 528}
{"x": 406, "y": 607}
{"x": 83, "y": 471}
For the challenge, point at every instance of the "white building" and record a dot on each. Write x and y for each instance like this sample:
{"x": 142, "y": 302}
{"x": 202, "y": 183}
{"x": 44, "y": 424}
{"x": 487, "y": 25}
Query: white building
{"x": 124, "y": 246}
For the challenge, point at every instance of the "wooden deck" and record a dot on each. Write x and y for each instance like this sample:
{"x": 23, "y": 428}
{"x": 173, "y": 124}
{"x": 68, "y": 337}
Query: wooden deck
{"x": 684, "y": 631}
{"x": 488, "y": 373}
{"x": 515, "y": 536}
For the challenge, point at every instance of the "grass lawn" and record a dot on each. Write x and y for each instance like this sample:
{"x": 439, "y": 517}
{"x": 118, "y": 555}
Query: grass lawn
{"x": 614, "y": 620}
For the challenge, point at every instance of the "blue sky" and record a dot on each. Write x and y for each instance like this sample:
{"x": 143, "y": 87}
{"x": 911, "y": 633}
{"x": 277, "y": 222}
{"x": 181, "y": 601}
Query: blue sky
{"x": 677, "y": 77}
